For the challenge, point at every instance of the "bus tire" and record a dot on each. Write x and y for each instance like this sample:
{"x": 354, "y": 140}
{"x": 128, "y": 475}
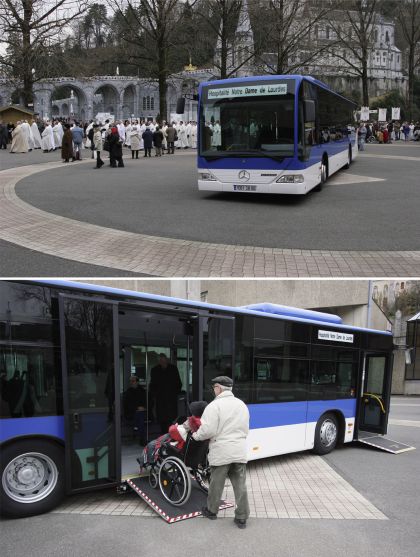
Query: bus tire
{"x": 326, "y": 434}
{"x": 32, "y": 477}
{"x": 324, "y": 174}
{"x": 349, "y": 158}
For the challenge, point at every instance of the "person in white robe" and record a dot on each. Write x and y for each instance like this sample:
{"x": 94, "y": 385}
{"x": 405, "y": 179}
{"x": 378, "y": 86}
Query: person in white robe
{"x": 58, "y": 134}
{"x": 188, "y": 132}
{"x": 194, "y": 135}
{"x": 29, "y": 136}
{"x": 47, "y": 142}
{"x": 165, "y": 137}
{"x": 183, "y": 135}
{"x": 36, "y": 135}
{"x": 121, "y": 131}
{"x": 216, "y": 139}
{"x": 152, "y": 126}
{"x": 142, "y": 130}
{"x": 177, "y": 126}
{"x": 128, "y": 129}
{"x": 19, "y": 141}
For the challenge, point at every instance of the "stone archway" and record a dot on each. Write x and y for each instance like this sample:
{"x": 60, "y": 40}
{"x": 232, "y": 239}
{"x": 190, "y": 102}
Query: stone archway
{"x": 106, "y": 100}
{"x": 71, "y": 100}
{"x": 55, "y": 111}
{"x": 129, "y": 104}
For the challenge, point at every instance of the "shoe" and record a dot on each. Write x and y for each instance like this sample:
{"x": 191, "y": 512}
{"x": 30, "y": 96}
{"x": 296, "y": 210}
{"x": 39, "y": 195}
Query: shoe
{"x": 207, "y": 514}
{"x": 240, "y": 523}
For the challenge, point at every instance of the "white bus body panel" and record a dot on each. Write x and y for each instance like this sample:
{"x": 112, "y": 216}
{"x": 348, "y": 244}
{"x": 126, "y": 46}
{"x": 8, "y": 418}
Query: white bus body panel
{"x": 227, "y": 179}
{"x": 273, "y": 441}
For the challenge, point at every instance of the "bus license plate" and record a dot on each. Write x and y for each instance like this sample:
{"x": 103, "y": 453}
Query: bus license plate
{"x": 244, "y": 187}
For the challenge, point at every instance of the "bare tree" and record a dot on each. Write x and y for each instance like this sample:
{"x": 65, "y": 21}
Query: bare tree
{"x": 288, "y": 27}
{"x": 30, "y": 30}
{"x": 220, "y": 20}
{"x": 408, "y": 17}
{"x": 150, "y": 35}
{"x": 354, "y": 25}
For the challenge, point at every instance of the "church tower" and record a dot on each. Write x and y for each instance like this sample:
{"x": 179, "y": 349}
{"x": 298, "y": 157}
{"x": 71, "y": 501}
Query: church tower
{"x": 240, "y": 47}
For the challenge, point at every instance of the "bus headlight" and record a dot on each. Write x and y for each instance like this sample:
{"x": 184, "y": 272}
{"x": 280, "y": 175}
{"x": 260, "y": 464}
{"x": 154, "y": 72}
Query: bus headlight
{"x": 290, "y": 179}
{"x": 208, "y": 176}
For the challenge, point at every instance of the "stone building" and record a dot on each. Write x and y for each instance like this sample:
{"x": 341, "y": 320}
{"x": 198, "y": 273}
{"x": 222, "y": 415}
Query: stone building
{"x": 385, "y": 64}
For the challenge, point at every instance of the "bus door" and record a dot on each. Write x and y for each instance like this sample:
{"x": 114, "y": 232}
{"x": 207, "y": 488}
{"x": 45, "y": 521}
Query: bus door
{"x": 217, "y": 351}
{"x": 145, "y": 336}
{"x": 90, "y": 358}
{"x": 375, "y": 393}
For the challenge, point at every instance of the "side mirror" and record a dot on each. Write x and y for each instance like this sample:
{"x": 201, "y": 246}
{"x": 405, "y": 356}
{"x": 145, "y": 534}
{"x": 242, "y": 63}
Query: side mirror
{"x": 309, "y": 107}
{"x": 180, "y": 105}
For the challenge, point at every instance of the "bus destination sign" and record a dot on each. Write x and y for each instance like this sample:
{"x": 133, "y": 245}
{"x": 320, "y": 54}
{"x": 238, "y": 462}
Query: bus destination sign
{"x": 248, "y": 91}
{"x": 335, "y": 336}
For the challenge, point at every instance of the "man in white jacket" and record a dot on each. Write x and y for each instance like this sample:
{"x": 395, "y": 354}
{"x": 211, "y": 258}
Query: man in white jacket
{"x": 225, "y": 422}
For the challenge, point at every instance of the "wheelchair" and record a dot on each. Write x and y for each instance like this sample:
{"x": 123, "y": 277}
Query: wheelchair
{"x": 175, "y": 469}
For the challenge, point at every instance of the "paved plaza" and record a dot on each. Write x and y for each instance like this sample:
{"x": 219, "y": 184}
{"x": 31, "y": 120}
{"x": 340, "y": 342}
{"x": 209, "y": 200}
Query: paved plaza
{"x": 293, "y": 486}
{"x": 149, "y": 219}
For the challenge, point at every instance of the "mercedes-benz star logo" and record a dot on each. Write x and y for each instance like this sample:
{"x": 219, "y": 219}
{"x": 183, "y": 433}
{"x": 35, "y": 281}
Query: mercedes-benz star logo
{"x": 244, "y": 175}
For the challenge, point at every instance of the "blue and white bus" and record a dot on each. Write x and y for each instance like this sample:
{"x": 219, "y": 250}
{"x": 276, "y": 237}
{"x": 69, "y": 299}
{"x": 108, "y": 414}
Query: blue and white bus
{"x": 272, "y": 134}
{"x": 68, "y": 351}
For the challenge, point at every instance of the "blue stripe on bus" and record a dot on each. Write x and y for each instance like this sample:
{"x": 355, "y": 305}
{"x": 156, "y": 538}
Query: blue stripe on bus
{"x": 290, "y": 413}
{"x": 46, "y": 425}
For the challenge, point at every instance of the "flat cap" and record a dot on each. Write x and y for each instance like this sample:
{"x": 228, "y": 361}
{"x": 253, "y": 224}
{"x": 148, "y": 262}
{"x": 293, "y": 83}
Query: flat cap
{"x": 223, "y": 380}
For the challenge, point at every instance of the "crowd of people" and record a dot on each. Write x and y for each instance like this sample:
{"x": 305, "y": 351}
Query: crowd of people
{"x": 387, "y": 132}
{"x": 139, "y": 136}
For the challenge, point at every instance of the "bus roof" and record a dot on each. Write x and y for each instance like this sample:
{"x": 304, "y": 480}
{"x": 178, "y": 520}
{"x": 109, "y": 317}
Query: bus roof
{"x": 289, "y": 313}
{"x": 297, "y": 77}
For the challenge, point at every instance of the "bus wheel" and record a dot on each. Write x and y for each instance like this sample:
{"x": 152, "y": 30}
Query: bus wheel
{"x": 326, "y": 434}
{"x": 324, "y": 175}
{"x": 32, "y": 477}
{"x": 349, "y": 158}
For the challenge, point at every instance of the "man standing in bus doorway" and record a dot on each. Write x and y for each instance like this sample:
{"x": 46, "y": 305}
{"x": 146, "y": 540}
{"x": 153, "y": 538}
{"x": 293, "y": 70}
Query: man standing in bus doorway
{"x": 165, "y": 386}
{"x": 225, "y": 422}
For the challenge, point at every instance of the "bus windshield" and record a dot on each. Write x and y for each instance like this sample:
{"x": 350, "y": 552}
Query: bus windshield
{"x": 250, "y": 120}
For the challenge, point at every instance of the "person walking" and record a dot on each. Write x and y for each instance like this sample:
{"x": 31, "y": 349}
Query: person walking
{"x": 115, "y": 149}
{"x": 98, "y": 145}
{"x": 225, "y": 422}
{"x": 362, "y": 136}
{"x": 171, "y": 138}
{"x": 77, "y": 133}
{"x": 67, "y": 144}
{"x": 148, "y": 141}
{"x": 135, "y": 141}
{"x": 157, "y": 141}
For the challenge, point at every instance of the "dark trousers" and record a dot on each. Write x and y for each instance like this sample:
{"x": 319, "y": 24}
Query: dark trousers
{"x": 114, "y": 160}
{"x": 99, "y": 161}
{"x": 236, "y": 472}
{"x": 171, "y": 147}
{"x": 132, "y": 154}
{"x": 147, "y": 151}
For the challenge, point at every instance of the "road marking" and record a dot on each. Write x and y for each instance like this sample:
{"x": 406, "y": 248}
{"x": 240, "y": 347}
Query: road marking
{"x": 402, "y": 404}
{"x": 35, "y": 229}
{"x": 397, "y": 157}
{"x": 409, "y": 423}
{"x": 344, "y": 179}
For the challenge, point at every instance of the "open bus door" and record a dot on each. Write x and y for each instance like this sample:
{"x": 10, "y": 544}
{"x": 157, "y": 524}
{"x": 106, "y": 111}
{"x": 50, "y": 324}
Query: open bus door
{"x": 90, "y": 358}
{"x": 376, "y": 393}
{"x": 374, "y": 404}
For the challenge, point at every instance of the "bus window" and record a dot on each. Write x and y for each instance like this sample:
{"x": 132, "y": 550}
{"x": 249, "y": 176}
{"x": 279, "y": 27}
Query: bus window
{"x": 281, "y": 380}
{"x": 30, "y": 382}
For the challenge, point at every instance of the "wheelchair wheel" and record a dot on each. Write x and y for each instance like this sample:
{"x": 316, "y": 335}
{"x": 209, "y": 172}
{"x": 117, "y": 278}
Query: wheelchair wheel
{"x": 174, "y": 481}
{"x": 153, "y": 479}
{"x": 202, "y": 477}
